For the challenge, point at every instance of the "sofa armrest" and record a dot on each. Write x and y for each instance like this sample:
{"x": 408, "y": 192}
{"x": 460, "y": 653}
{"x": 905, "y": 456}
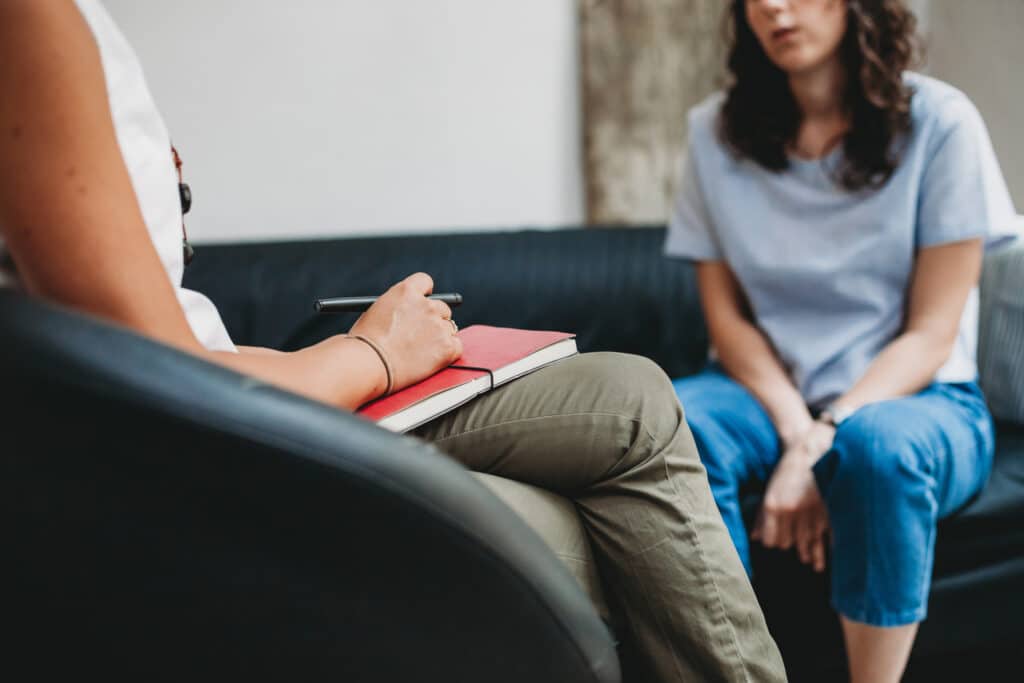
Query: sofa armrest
{"x": 1001, "y": 336}
{"x": 168, "y": 518}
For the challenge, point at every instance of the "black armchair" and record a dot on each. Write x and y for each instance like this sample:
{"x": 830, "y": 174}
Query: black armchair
{"x": 166, "y": 518}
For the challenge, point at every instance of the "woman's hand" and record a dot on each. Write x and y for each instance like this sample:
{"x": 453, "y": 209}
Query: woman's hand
{"x": 793, "y": 512}
{"x": 415, "y": 333}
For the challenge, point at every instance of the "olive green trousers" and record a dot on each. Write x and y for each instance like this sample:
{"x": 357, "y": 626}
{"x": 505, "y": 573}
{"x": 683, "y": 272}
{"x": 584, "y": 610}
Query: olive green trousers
{"x": 606, "y": 431}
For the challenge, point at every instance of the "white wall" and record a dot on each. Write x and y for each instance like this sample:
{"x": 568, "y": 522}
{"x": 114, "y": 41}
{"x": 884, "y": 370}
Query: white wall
{"x": 329, "y": 117}
{"x": 326, "y": 117}
{"x": 979, "y": 47}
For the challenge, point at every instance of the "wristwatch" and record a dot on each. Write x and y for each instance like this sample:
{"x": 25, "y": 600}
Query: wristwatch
{"x": 835, "y": 415}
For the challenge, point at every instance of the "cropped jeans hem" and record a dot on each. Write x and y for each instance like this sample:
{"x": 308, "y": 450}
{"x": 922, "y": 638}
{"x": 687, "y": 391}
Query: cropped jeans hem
{"x": 855, "y": 611}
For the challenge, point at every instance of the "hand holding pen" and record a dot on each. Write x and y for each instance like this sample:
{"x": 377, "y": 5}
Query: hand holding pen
{"x": 408, "y": 327}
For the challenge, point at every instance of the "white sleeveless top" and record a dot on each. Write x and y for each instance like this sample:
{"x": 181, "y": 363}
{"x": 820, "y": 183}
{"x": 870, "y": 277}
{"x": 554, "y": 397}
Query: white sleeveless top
{"x": 146, "y": 148}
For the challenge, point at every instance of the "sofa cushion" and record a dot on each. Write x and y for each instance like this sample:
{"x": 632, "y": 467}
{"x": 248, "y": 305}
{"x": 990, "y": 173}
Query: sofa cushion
{"x": 1001, "y": 340}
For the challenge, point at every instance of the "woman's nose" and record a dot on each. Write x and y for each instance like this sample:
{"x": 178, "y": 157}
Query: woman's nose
{"x": 772, "y": 7}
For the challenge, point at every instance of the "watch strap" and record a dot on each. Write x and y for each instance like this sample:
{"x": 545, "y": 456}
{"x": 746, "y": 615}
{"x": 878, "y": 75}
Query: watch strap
{"x": 835, "y": 415}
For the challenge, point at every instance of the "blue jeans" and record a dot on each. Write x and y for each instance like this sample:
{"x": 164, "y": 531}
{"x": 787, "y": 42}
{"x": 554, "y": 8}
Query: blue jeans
{"x": 895, "y": 468}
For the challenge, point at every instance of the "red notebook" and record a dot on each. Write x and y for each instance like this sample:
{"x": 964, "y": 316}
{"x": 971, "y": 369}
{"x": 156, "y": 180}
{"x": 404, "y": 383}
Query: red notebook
{"x": 491, "y": 356}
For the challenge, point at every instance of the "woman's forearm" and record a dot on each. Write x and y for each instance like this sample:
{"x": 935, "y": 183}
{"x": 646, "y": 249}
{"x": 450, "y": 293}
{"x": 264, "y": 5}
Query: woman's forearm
{"x": 745, "y": 352}
{"x": 943, "y": 279}
{"x": 750, "y": 360}
{"x": 339, "y": 371}
{"x": 904, "y": 367}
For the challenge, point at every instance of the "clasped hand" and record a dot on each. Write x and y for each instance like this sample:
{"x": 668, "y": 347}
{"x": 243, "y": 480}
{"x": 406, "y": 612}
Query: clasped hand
{"x": 793, "y": 512}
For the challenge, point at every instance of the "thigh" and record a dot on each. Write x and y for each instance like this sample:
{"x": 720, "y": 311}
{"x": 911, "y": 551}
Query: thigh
{"x": 734, "y": 434}
{"x": 563, "y": 427}
{"x": 942, "y": 436}
{"x": 556, "y": 520}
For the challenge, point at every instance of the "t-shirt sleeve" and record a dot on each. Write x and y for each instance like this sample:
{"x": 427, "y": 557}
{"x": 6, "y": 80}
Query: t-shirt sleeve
{"x": 690, "y": 230}
{"x": 963, "y": 192}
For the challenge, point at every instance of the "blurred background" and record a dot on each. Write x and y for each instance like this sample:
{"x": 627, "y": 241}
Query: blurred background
{"x": 320, "y": 118}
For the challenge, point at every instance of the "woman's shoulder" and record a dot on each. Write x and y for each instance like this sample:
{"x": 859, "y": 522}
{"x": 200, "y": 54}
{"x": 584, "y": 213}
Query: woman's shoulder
{"x": 939, "y": 107}
{"x": 703, "y": 117}
{"x": 702, "y": 123}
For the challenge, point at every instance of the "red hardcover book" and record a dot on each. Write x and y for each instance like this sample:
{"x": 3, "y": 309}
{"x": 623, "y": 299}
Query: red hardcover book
{"x": 491, "y": 356}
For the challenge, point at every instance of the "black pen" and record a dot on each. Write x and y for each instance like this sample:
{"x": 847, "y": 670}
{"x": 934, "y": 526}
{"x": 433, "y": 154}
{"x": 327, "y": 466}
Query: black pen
{"x": 346, "y": 304}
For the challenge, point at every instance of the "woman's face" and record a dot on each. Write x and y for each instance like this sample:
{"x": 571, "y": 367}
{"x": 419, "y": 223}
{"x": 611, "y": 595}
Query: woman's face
{"x": 798, "y": 35}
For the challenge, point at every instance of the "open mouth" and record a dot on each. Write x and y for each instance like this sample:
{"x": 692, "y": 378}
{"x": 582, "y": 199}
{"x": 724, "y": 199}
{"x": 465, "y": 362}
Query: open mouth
{"x": 784, "y": 33}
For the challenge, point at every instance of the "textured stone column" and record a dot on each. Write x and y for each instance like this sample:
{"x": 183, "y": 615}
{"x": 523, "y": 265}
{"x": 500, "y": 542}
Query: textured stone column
{"x": 644, "y": 64}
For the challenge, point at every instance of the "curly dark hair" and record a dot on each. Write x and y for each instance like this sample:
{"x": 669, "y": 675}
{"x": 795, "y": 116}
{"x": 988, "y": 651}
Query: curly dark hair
{"x": 760, "y": 119}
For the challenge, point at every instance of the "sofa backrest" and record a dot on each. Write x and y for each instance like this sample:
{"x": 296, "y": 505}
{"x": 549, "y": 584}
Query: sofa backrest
{"x": 611, "y": 286}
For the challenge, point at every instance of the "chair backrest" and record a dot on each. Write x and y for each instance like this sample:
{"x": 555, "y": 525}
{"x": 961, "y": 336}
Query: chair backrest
{"x": 164, "y": 518}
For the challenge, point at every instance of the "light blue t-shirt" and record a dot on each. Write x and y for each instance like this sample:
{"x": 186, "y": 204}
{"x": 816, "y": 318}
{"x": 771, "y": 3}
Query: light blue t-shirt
{"x": 827, "y": 271}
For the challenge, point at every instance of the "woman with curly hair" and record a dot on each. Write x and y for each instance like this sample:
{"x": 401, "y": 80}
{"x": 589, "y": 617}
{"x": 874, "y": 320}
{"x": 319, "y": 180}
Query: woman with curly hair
{"x": 838, "y": 206}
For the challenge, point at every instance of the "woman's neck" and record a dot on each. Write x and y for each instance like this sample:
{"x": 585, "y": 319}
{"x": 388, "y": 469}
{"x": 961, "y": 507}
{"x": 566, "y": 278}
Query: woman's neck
{"x": 819, "y": 95}
{"x": 819, "y": 91}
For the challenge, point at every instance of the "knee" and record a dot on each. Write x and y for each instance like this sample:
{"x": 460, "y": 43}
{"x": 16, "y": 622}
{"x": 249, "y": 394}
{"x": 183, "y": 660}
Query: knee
{"x": 628, "y": 383}
{"x": 648, "y": 390}
{"x": 707, "y": 417}
{"x": 710, "y": 400}
{"x": 635, "y": 388}
{"x": 732, "y": 432}
{"x": 873, "y": 450}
